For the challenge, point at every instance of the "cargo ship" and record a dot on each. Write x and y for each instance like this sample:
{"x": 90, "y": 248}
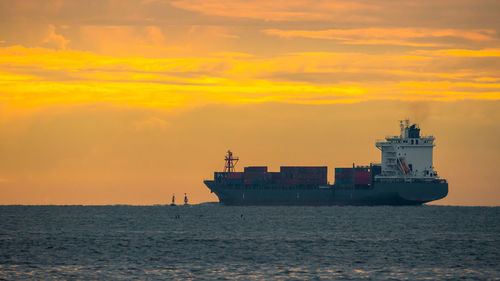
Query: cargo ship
{"x": 405, "y": 176}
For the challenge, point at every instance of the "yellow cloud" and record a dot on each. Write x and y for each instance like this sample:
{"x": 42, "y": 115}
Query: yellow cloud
{"x": 78, "y": 60}
{"x": 56, "y": 39}
{"x": 448, "y": 84}
{"x": 462, "y": 53}
{"x": 487, "y": 79}
{"x": 35, "y": 77}
{"x": 168, "y": 96}
{"x": 15, "y": 77}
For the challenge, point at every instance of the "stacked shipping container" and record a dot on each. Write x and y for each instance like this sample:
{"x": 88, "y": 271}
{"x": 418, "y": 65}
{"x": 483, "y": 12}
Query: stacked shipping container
{"x": 256, "y": 175}
{"x": 344, "y": 176}
{"x": 361, "y": 177}
{"x": 350, "y": 176}
{"x": 256, "y": 169}
{"x": 304, "y": 175}
{"x": 234, "y": 178}
{"x": 288, "y": 175}
{"x": 235, "y": 175}
{"x": 297, "y": 175}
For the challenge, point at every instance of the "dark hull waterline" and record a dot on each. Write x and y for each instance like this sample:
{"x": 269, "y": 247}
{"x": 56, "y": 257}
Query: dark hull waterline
{"x": 313, "y": 195}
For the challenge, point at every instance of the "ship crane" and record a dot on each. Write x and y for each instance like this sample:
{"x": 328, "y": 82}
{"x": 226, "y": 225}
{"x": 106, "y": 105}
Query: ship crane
{"x": 230, "y": 162}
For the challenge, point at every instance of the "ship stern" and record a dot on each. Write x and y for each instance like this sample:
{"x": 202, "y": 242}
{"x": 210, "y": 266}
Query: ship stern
{"x": 424, "y": 192}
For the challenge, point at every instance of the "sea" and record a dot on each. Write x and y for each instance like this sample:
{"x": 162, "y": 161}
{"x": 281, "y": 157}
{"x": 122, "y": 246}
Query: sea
{"x": 214, "y": 242}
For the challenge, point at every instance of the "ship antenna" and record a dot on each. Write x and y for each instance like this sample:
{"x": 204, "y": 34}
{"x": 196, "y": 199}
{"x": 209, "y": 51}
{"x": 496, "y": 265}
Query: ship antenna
{"x": 230, "y": 162}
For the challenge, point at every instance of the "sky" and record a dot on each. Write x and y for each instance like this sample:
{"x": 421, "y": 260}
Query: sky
{"x": 130, "y": 101}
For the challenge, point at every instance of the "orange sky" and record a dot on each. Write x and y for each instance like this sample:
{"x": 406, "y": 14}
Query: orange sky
{"x": 128, "y": 101}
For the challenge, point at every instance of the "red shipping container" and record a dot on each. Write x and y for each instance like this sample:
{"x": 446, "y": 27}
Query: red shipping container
{"x": 235, "y": 175}
{"x": 248, "y": 175}
{"x": 256, "y": 169}
{"x": 362, "y": 177}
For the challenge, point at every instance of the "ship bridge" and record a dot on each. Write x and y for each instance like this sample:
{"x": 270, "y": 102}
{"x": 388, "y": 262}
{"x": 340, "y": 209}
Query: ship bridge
{"x": 408, "y": 155}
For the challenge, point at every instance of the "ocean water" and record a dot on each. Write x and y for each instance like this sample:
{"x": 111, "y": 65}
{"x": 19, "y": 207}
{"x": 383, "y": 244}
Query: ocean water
{"x": 264, "y": 243}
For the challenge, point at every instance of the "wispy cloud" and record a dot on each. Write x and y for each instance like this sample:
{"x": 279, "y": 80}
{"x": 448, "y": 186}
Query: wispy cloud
{"x": 100, "y": 96}
{"x": 390, "y": 36}
{"x": 293, "y": 10}
{"x": 56, "y": 39}
{"x": 461, "y": 53}
{"x": 186, "y": 53}
{"x": 228, "y": 78}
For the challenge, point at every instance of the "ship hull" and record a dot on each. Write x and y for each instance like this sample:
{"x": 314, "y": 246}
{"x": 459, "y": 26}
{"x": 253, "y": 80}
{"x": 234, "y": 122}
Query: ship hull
{"x": 377, "y": 193}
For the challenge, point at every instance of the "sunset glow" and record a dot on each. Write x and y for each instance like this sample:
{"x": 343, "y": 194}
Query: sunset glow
{"x": 104, "y": 102}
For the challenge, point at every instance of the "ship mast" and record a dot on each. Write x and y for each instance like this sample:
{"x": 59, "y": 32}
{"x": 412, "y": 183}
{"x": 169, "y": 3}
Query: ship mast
{"x": 230, "y": 162}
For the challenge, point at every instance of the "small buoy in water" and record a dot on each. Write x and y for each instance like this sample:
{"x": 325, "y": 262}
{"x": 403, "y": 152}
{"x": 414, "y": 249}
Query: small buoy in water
{"x": 173, "y": 200}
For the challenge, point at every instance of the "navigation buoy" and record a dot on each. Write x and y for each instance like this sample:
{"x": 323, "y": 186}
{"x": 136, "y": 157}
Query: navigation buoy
{"x": 173, "y": 200}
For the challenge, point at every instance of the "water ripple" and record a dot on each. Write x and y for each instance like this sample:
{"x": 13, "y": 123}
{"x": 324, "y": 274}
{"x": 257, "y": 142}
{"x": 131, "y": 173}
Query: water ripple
{"x": 278, "y": 243}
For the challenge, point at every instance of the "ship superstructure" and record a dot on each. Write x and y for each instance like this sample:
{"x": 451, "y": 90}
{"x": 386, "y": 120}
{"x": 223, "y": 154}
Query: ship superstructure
{"x": 406, "y": 176}
{"x": 408, "y": 155}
